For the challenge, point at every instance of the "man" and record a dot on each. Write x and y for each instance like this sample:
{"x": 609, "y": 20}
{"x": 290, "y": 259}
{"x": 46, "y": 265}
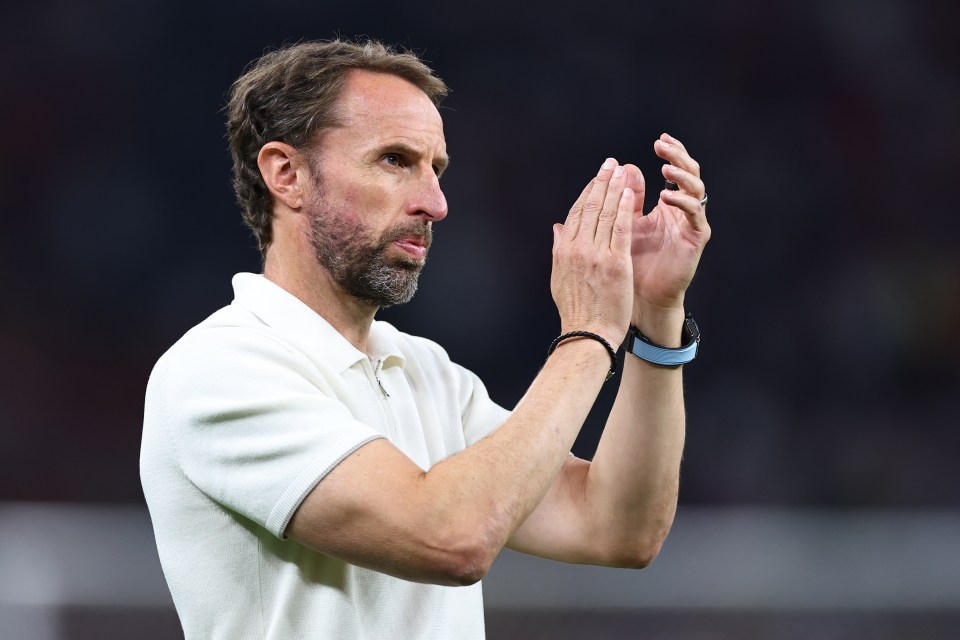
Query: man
{"x": 313, "y": 473}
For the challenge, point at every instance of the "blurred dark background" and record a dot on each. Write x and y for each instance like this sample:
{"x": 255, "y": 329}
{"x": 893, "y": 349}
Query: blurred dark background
{"x": 828, "y": 297}
{"x": 820, "y": 495}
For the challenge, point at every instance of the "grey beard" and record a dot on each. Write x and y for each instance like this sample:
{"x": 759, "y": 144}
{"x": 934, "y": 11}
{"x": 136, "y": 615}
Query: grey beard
{"x": 360, "y": 266}
{"x": 373, "y": 280}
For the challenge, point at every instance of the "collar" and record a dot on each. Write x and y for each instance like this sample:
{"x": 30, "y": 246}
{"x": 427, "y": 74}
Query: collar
{"x": 301, "y": 326}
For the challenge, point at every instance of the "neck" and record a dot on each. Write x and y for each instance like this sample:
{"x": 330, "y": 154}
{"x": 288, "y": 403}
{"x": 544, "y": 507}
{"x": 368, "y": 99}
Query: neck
{"x": 300, "y": 275}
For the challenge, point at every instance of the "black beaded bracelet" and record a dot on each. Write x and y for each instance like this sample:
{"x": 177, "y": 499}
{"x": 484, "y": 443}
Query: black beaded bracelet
{"x": 587, "y": 334}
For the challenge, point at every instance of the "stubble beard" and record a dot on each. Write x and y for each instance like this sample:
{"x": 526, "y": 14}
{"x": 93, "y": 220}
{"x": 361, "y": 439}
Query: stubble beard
{"x": 359, "y": 264}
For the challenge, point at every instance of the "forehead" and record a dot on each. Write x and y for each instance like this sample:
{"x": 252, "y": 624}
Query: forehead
{"x": 382, "y": 107}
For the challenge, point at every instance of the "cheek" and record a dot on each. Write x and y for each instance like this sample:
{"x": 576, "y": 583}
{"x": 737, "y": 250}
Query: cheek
{"x": 368, "y": 199}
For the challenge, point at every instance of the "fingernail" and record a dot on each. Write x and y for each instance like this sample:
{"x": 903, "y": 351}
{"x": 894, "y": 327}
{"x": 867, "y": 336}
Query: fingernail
{"x": 608, "y": 164}
{"x": 618, "y": 171}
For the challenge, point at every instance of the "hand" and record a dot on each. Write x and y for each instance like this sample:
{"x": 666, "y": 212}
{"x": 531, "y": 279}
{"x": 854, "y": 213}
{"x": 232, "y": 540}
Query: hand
{"x": 668, "y": 241}
{"x": 592, "y": 268}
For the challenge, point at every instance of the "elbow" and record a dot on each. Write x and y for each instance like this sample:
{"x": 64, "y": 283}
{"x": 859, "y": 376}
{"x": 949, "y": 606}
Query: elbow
{"x": 636, "y": 551}
{"x": 463, "y": 567}
{"x": 638, "y": 556}
{"x": 468, "y": 556}
{"x": 466, "y": 569}
{"x": 638, "y": 548}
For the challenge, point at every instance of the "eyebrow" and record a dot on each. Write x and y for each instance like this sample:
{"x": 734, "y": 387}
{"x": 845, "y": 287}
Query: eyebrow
{"x": 441, "y": 162}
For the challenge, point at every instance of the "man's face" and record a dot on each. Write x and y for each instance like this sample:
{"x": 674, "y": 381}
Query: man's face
{"x": 377, "y": 190}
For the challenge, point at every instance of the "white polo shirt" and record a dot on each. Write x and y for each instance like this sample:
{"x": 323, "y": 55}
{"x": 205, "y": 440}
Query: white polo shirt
{"x": 245, "y": 415}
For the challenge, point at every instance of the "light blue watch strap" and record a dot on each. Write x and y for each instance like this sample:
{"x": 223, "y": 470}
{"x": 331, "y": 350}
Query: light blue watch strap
{"x": 662, "y": 356}
{"x": 642, "y": 347}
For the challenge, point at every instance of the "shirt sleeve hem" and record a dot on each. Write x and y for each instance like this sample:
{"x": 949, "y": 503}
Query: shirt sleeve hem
{"x": 309, "y": 478}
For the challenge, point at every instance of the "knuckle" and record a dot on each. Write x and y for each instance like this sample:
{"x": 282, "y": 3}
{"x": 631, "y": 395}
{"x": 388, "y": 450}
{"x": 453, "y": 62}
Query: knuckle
{"x": 573, "y": 255}
{"x": 580, "y": 256}
{"x": 608, "y": 213}
{"x": 567, "y": 250}
{"x": 591, "y": 208}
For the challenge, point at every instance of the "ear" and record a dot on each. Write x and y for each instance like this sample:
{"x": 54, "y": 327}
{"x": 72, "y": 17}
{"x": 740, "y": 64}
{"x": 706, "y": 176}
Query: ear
{"x": 283, "y": 170}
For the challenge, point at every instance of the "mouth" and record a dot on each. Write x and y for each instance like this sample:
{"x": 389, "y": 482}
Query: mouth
{"x": 414, "y": 246}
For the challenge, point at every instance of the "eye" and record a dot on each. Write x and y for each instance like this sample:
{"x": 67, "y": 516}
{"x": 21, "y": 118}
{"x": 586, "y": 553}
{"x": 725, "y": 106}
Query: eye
{"x": 393, "y": 159}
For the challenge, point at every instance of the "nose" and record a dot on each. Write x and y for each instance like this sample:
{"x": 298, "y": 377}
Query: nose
{"x": 428, "y": 199}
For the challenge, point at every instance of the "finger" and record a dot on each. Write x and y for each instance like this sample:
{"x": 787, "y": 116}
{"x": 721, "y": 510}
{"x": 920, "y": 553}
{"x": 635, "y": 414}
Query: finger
{"x": 676, "y": 155}
{"x": 622, "y": 232}
{"x": 666, "y": 137}
{"x": 636, "y": 183}
{"x": 695, "y": 213}
{"x": 573, "y": 216}
{"x": 686, "y": 180}
{"x": 611, "y": 205}
{"x": 593, "y": 204}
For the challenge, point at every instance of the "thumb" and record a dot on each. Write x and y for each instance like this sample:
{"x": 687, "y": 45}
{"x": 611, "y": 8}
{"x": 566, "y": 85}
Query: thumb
{"x": 557, "y": 228}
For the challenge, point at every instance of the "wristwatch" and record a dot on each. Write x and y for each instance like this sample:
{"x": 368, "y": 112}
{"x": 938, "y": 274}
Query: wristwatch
{"x": 642, "y": 347}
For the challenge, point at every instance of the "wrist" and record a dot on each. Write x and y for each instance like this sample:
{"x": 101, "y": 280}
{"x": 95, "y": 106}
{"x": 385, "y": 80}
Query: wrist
{"x": 612, "y": 336}
{"x": 646, "y": 349}
{"x": 662, "y": 325}
{"x": 595, "y": 339}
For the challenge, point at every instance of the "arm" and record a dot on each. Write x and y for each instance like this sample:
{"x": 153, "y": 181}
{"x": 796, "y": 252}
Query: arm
{"x": 617, "y": 509}
{"x": 377, "y": 509}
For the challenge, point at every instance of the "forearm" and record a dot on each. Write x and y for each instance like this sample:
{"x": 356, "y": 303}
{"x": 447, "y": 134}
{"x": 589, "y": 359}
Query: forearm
{"x": 617, "y": 509}
{"x": 631, "y": 486}
{"x": 504, "y": 477}
{"x": 496, "y": 483}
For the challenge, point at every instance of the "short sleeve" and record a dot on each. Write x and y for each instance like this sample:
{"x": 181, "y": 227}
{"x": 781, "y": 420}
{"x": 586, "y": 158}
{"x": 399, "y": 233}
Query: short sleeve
{"x": 481, "y": 415}
{"x": 255, "y": 425}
